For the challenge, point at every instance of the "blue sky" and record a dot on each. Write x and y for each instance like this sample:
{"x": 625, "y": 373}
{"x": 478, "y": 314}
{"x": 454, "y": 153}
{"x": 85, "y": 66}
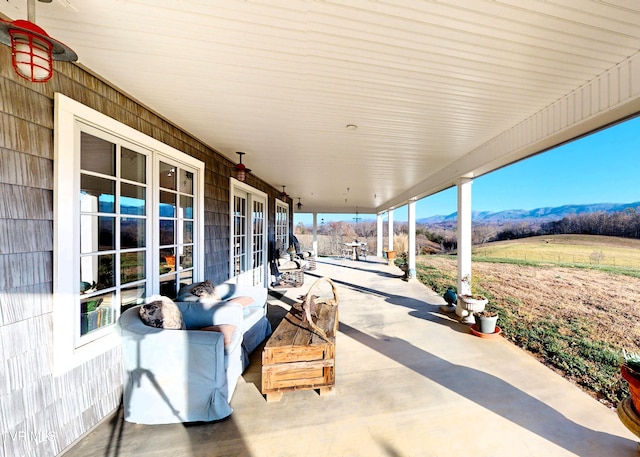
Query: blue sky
{"x": 599, "y": 168}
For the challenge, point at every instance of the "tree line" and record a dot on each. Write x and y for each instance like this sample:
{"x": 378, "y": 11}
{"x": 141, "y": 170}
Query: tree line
{"x": 442, "y": 237}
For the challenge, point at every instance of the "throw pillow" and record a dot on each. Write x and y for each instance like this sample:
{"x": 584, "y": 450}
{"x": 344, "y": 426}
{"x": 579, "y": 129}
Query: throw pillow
{"x": 204, "y": 290}
{"x": 226, "y": 330}
{"x": 162, "y": 312}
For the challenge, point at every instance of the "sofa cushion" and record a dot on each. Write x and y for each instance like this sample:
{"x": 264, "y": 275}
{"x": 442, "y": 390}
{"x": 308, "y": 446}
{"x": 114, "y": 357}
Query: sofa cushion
{"x": 230, "y": 289}
{"x": 226, "y": 330}
{"x": 198, "y": 315}
{"x": 242, "y": 300}
{"x": 161, "y": 312}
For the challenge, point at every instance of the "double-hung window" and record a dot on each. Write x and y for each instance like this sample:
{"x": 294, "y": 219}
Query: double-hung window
{"x": 128, "y": 223}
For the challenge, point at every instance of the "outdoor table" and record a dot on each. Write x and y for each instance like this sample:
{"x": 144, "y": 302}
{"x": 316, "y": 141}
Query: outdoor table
{"x": 355, "y": 245}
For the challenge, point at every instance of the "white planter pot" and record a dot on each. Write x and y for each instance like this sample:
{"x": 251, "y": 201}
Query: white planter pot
{"x": 469, "y": 305}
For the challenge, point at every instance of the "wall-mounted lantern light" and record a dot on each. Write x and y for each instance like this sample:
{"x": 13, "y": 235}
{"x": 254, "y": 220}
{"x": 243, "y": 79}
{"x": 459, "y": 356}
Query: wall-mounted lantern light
{"x": 32, "y": 49}
{"x": 299, "y": 205}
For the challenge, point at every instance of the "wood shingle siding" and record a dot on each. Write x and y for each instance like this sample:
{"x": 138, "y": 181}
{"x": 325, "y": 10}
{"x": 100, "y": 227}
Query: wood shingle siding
{"x": 20, "y": 202}
{"x": 26, "y": 170}
{"x": 54, "y": 411}
{"x": 23, "y": 303}
{"x": 13, "y": 239}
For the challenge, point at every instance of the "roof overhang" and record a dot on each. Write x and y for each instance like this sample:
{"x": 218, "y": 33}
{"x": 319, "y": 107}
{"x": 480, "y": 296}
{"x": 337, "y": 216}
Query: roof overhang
{"x": 437, "y": 90}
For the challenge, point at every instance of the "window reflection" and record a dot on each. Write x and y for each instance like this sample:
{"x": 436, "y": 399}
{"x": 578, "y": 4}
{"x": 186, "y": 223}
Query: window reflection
{"x": 168, "y": 286}
{"x": 132, "y": 266}
{"x": 131, "y": 296}
{"x": 132, "y": 199}
{"x": 96, "y": 272}
{"x": 186, "y": 278}
{"x": 186, "y": 260}
{"x": 186, "y": 207}
{"x": 96, "y": 312}
{"x": 167, "y": 204}
{"x": 167, "y": 232}
{"x": 97, "y": 233}
{"x": 132, "y": 233}
{"x": 187, "y": 232}
{"x": 97, "y": 155}
{"x": 167, "y": 176}
{"x": 186, "y": 182}
{"x": 97, "y": 194}
{"x": 167, "y": 260}
{"x": 133, "y": 166}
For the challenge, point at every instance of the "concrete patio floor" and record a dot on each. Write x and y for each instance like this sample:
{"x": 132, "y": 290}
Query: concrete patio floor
{"x": 410, "y": 381}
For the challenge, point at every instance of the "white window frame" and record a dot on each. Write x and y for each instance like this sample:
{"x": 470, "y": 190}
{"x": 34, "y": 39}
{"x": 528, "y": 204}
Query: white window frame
{"x": 282, "y": 231}
{"x": 70, "y": 118}
{"x": 238, "y": 186}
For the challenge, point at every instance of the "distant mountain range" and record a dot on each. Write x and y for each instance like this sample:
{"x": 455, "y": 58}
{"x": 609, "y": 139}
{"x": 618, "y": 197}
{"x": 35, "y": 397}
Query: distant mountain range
{"x": 537, "y": 215}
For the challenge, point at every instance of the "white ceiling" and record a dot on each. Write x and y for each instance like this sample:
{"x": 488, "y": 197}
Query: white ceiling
{"x": 426, "y": 82}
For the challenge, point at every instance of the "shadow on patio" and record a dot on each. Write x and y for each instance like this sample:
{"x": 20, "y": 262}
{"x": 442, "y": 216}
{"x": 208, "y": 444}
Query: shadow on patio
{"x": 410, "y": 381}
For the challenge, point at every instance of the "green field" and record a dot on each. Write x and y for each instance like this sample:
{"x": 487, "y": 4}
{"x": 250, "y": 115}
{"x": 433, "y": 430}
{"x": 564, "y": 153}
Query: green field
{"x": 579, "y": 250}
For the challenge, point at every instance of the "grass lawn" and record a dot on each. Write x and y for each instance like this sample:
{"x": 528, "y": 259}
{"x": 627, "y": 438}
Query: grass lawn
{"x": 575, "y": 320}
{"x": 577, "y": 250}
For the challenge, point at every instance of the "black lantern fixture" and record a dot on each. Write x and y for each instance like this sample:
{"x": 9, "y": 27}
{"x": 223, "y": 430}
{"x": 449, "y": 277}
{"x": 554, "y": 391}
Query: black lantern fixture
{"x": 283, "y": 194}
{"x": 299, "y": 205}
{"x": 32, "y": 49}
{"x": 241, "y": 170}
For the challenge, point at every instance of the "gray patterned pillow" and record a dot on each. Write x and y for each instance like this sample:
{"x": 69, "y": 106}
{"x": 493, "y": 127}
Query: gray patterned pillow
{"x": 204, "y": 290}
{"x": 162, "y": 312}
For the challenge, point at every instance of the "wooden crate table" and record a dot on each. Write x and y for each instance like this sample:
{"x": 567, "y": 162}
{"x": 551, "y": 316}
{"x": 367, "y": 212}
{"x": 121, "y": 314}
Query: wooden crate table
{"x": 298, "y": 356}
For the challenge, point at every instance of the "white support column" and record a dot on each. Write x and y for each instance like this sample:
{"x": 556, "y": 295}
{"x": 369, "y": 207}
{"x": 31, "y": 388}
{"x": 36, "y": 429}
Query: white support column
{"x": 464, "y": 242}
{"x": 379, "y": 235}
{"x": 315, "y": 235}
{"x": 390, "y": 230}
{"x": 411, "y": 210}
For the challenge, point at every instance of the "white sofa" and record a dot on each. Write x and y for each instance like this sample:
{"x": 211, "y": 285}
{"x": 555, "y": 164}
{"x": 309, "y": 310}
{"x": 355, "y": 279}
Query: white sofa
{"x": 190, "y": 375}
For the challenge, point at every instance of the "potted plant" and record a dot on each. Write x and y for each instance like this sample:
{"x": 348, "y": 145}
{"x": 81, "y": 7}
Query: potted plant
{"x": 391, "y": 257}
{"x": 471, "y": 302}
{"x": 486, "y": 321}
{"x": 404, "y": 264}
{"x": 630, "y": 370}
{"x": 474, "y": 301}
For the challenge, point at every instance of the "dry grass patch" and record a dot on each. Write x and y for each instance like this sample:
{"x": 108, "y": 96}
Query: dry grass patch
{"x": 575, "y": 320}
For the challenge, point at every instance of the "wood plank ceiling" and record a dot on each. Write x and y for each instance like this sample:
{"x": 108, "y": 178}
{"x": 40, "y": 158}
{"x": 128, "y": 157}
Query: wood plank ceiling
{"x": 426, "y": 82}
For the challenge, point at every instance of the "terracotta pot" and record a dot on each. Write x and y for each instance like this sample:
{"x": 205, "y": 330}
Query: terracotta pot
{"x": 391, "y": 255}
{"x": 634, "y": 385}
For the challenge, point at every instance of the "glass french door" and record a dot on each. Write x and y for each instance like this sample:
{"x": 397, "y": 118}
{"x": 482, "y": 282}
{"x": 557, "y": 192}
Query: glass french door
{"x": 258, "y": 230}
{"x": 176, "y": 198}
{"x": 136, "y": 228}
{"x": 248, "y": 259}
